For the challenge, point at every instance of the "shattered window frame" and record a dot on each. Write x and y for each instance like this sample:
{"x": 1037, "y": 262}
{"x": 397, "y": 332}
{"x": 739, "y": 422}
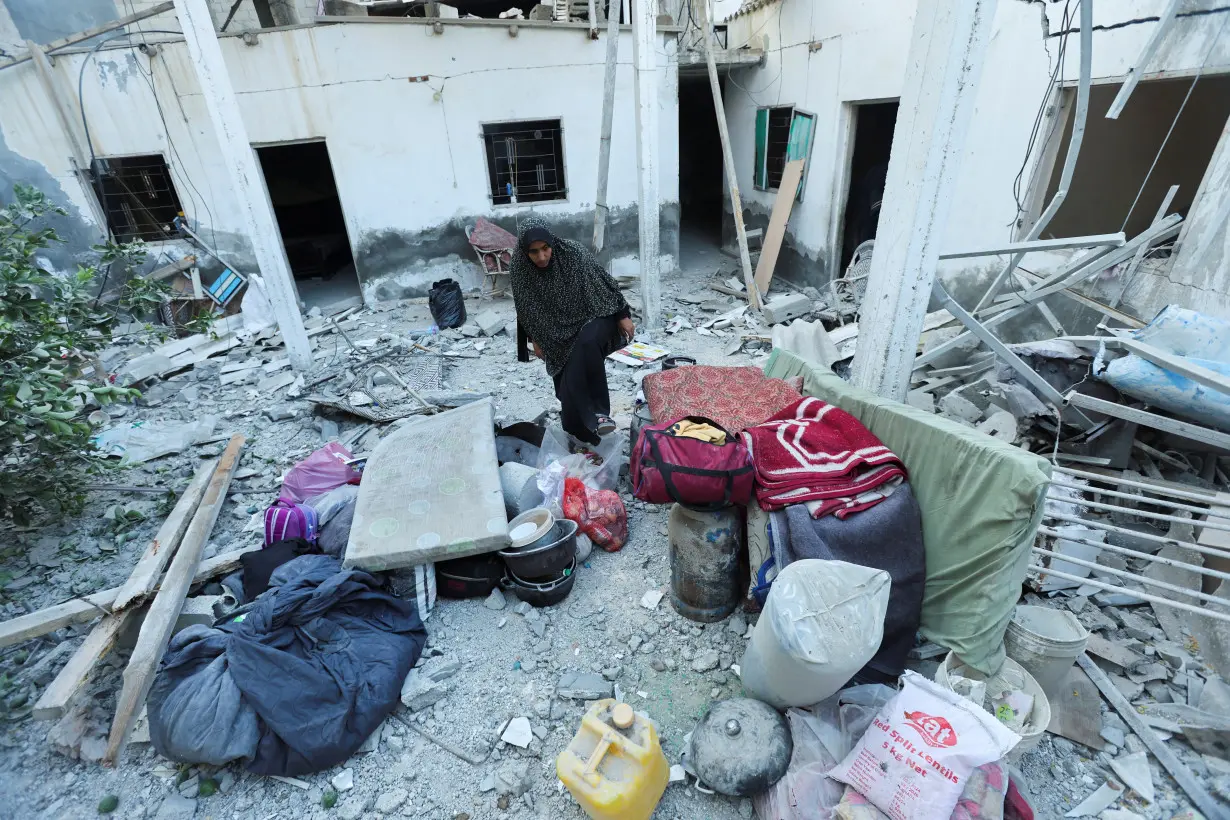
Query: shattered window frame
{"x": 767, "y": 174}
{"x": 138, "y": 196}
{"x": 542, "y": 138}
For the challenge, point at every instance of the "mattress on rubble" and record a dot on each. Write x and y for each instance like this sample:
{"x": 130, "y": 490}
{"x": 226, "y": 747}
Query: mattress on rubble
{"x": 430, "y": 491}
{"x": 981, "y": 502}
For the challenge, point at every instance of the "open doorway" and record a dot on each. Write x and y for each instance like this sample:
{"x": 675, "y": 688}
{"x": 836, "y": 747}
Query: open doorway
{"x": 299, "y": 177}
{"x": 873, "y": 142}
{"x": 701, "y": 177}
{"x": 1120, "y": 177}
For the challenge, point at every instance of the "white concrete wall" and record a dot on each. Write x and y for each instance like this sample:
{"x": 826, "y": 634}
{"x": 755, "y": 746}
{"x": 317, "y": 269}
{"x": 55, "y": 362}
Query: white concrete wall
{"x": 406, "y": 155}
{"x": 858, "y": 54}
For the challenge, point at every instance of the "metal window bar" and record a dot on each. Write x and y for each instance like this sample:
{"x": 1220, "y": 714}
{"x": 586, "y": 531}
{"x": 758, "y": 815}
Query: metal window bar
{"x": 1209, "y": 497}
{"x": 1143, "y": 596}
{"x": 1099, "y": 525}
{"x": 1157, "y": 559}
{"x": 1211, "y": 512}
{"x": 1140, "y": 579}
{"x": 1095, "y": 505}
{"x": 138, "y": 196}
{"x": 777, "y": 145}
{"x": 530, "y": 165}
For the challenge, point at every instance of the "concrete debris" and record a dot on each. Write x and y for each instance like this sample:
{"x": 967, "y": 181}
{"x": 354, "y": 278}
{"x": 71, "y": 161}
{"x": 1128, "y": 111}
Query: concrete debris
{"x": 343, "y": 781}
{"x": 786, "y": 307}
{"x": 420, "y": 692}
{"x": 495, "y": 600}
{"x": 652, "y": 598}
{"x": 518, "y": 732}
{"x": 584, "y": 686}
{"x": 1133, "y": 770}
{"x": 1099, "y": 801}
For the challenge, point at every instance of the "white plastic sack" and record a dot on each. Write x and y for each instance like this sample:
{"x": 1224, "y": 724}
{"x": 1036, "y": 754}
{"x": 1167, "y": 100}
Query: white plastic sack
{"x": 822, "y": 622}
{"x": 915, "y": 758}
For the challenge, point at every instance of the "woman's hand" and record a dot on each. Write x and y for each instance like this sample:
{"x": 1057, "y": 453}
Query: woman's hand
{"x": 627, "y": 330}
{"x": 537, "y": 349}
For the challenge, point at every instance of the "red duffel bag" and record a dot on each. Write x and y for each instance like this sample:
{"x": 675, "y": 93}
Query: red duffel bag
{"x": 697, "y": 474}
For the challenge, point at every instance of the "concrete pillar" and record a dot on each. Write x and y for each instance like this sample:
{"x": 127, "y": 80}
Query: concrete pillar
{"x": 645, "y": 60}
{"x": 251, "y": 198}
{"x": 941, "y": 79}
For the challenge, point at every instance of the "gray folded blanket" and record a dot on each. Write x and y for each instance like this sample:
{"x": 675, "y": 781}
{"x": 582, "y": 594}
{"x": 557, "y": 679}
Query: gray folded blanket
{"x": 887, "y": 536}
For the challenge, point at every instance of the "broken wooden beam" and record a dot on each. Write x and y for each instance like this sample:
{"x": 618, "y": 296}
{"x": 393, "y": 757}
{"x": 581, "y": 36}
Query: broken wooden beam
{"x": 60, "y": 692}
{"x": 1182, "y": 775}
{"x": 81, "y": 610}
{"x": 82, "y": 36}
{"x": 163, "y": 612}
{"x": 144, "y": 578}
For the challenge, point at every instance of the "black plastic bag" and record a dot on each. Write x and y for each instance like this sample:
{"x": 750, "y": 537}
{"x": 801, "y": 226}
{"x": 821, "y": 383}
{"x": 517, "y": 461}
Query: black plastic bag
{"x": 448, "y": 307}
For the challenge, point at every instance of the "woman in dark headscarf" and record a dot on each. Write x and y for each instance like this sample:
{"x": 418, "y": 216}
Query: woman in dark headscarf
{"x": 570, "y": 308}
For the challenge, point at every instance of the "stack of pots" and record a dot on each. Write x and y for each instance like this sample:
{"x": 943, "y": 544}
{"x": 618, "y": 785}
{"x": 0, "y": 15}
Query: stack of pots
{"x": 541, "y": 561}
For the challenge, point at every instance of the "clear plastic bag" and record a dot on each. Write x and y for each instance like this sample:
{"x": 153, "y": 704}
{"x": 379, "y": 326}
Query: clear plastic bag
{"x": 822, "y": 735}
{"x": 599, "y": 469}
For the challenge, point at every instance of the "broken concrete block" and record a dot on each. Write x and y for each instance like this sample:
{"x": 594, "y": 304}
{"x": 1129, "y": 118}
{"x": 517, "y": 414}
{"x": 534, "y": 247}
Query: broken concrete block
{"x": 977, "y": 393}
{"x": 489, "y": 322}
{"x": 1000, "y": 425}
{"x": 962, "y": 409}
{"x": 470, "y": 331}
{"x": 786, "y": 307}
{"x": 419, "y": 691}
{"x": 275, "y": 383}
{"x": 142, "y": 368}
{"x": 922, "y": 400}
{"x": 541, "y": 12}
{"x": 197, "y": 610}
{"x": 584, "y": 686}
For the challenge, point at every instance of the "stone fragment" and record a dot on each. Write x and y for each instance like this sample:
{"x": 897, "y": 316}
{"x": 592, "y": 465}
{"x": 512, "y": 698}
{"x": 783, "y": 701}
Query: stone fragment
{"x": 706, "y": 660}
{"x": 584, "y": 686}
{"x": 495, "y": 600}
{"x": 518, "y": 732}
{"x": 176, "y": 807}
{"x": 420, "y": 692}
{"x": 343, "y": 781}
{"x": 390, "y": 800}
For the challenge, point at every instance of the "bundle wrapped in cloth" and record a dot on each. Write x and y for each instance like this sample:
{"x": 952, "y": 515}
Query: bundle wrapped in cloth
{"x": 812, "y": 452}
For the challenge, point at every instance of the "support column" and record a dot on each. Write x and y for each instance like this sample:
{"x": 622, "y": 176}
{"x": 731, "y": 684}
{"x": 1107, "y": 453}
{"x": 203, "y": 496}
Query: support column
{"x": 945, "y": 62}
{"x": 608, "y": 119}
{"x": 251, "y": 198}
{"x": 645, "y": 59}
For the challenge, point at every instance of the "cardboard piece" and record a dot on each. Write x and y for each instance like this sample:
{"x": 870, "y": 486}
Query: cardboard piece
{"x": 430, "y": 492}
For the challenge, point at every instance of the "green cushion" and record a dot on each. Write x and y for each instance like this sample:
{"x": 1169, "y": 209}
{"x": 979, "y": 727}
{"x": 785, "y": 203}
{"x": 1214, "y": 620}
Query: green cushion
{"x": 981, "y": 502}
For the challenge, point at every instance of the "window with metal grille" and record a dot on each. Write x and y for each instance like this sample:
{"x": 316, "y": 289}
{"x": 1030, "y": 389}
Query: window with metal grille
{"x": 138, "y": 197}
{"x": 783, "y": 133}
{"x": 525, "y": 161}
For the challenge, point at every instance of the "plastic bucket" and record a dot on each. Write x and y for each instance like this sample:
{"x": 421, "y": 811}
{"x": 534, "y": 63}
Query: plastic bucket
{"x": 1046, "y": 642}
{"x": 1039, "y": 716}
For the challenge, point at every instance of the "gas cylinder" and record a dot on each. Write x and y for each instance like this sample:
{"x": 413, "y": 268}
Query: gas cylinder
{"x": 614, "y": 765}
{"x": 708, "y": 561}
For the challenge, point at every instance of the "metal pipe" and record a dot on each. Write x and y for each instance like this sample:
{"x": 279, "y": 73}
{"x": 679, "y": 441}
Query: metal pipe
{"x": 1098, "y": 525}
{"x": 1074, "y": 147}
{"x": 1209, "y": 497}
{"x": 1158, "y": 502}
{"x": 1144, "y": 596}
{"x": 1122, "y": 573}
{"x": 1144, "y": 556}
{"x": 1174, "y": 519}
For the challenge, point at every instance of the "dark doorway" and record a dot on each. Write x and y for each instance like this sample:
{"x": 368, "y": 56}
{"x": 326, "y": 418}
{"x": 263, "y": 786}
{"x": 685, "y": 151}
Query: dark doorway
{"x": 873, "y": 142}
{"x": 309, "y": 213}
{"x": 701, "y": 179}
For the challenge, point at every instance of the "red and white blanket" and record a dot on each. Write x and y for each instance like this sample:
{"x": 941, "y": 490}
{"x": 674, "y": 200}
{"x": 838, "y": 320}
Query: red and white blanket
{"x": 814, "y": 452}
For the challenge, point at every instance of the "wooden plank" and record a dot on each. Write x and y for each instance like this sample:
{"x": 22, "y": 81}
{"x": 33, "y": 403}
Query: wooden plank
{"x": 1076, "y": 711}
{"x": 163, "y": 612}
{"x": 144, "y": 577}
{"x": 59, "y": 694}
{"x": 782, "y": 206}
{"x": 82, "y": 36}
{"x": 83, "y": 610}
{"x": 167, "y": 271}
{"x": 1182, "y": 775}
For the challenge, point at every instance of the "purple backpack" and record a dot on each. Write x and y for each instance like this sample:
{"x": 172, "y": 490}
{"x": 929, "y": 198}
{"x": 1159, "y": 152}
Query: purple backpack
{"x": 286, "y": 519}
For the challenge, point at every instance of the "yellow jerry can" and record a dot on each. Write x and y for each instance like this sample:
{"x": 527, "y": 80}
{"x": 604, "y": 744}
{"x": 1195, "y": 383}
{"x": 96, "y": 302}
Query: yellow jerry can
{"x": 614, "y": 766}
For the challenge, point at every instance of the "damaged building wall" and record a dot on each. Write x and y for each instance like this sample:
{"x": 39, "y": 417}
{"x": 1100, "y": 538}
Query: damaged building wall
{"x": 401, "y": 110}
{"x": 834, "y": 56}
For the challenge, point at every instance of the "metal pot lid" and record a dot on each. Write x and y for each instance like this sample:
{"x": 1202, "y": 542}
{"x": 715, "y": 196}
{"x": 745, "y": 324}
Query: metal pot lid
{"x": 741, "y": 747}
